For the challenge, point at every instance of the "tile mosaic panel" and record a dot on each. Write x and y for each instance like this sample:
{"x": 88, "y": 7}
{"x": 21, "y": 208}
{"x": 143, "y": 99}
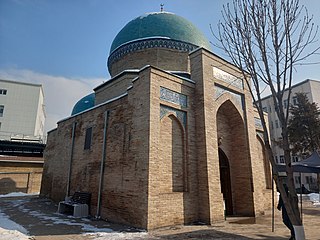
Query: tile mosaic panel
{"x": 181, "y": 115}
{"x": 257, "y": 122}
{"x": 237, "y": 97}
{"x": 149, "y": 43}
{"x": 228, "y": 78}
{"x": 173, "y": 97}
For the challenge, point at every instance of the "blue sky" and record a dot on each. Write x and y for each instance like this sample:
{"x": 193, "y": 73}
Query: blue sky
{"x": 64, "y": 44}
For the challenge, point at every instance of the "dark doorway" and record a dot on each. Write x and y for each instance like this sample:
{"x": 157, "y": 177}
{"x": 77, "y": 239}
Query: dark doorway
{"x": 225, "y": 182}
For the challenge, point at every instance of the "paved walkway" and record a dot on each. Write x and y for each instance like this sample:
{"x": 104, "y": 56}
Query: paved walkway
{"x": 39, "y": 217}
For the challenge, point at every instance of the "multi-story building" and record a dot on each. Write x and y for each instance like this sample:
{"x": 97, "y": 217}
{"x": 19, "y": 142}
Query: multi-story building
{"x": 312, "y": 89}
{"x": 22, "y": 112}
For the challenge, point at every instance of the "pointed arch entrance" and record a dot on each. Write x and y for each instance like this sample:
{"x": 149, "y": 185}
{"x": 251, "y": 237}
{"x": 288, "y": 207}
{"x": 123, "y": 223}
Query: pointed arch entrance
{"x": 225, "y": 182}
{"x": 234, "y": 160}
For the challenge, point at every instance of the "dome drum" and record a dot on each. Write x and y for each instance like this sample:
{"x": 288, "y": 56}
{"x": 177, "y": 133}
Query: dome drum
{"x": 143, "y": 44}
{"x": 168, "y": 59}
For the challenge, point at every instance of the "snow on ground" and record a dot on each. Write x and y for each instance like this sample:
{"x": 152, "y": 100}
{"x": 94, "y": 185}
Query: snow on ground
{"x": 117, "y": 235}
{"x": 13, "y": 231}
{"x": 10, "y": 230}
{"x": 95, "y": 233}
{"x": 18, "y": 194}
{"x": 315, "y": 198}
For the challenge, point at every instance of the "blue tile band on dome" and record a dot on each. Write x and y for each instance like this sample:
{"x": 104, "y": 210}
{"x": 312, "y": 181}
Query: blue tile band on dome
{"x": 173, "y": 97}
{"x": 181, "y": 115}
{"x": 149, "y": 43}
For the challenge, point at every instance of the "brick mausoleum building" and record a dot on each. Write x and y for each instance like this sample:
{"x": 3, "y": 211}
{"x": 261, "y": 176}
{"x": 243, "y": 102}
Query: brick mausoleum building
{"x": 169, "y": 138}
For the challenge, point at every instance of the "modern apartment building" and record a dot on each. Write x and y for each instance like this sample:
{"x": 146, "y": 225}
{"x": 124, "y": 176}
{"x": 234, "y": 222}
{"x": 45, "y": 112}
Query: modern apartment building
{"x": 312, "y": 90}
{"x": 22, "y": 111}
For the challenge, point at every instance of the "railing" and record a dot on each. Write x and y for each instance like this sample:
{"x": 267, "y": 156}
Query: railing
{"x": 21, "y": 137}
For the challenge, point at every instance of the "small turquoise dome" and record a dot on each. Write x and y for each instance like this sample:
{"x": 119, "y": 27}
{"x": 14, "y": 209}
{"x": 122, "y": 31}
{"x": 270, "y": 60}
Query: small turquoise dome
{"x": 160, "y": 25}
{"x": 84, "y": 104}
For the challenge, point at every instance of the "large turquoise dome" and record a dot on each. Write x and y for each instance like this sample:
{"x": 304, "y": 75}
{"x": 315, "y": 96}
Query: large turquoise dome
{"x": 84, "y": 104}
{"x": 160, "y": 25}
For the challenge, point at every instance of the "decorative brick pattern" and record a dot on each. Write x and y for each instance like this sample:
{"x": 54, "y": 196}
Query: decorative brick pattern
{"x": 258, "y": 123}
{"x": 162, "y": 162}
{"x": 181, "y": 115}
{"x": 173, "y": 97}
{"x": 149, "y": 43}
{"x": 237, "y": 97}
{"x": 164, "y": 58}
{"x": 228, "y": 78}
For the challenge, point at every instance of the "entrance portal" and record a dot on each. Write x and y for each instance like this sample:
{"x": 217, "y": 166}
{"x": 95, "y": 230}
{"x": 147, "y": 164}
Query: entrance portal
{"x": 235, "y": 165}
{"x": 225, "y": 182}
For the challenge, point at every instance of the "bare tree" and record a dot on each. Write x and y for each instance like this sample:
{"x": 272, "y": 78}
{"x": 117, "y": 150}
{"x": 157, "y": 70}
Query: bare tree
{"x": 267, "y": 40}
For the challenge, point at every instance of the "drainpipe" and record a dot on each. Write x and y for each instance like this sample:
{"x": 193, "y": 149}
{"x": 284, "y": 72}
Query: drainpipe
{"x": 104, "y": 147}
{"x": 71, "y": 157}
{"x": 272, "y": 193}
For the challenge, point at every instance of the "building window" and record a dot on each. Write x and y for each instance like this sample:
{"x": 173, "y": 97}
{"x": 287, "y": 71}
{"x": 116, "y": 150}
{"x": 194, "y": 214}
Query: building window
{"x": 277, "y": 123}
{"x": 88, "y": 138}
{"x": 297, "y": 179}
{"x": 309, "y": 179}
{"x": 285, "y": 103}
{"x": 3, "y": 91}
{"x": 295, "y": 100}
{"x": 276, "y": 159}
{"x": 270, "y": 109}
{"x": 271, "y": 125}
{"x": 294, "y": 159}
{"x": 1, "y": 110}
{"x": 265, "y": 109}
{"x": 281, "y": 159}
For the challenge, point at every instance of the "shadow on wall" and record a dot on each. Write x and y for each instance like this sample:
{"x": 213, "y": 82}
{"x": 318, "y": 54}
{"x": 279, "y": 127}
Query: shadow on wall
{"x": 7, "y": 185}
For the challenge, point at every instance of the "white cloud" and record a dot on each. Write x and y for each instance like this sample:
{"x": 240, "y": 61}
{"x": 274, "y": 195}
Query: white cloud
{"x": 61, "y": 93}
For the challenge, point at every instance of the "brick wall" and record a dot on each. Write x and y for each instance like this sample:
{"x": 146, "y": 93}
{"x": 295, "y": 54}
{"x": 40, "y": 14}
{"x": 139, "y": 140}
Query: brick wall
{"x": 236, "y": 127}
{"x": 173, "y": 186}
{"x": 114, "y": 87}
{"x": 168, "y": 59}
{"x": 123, "y": 197}
{"x": 20, "y": 177}
{"x": 162, "y": 169}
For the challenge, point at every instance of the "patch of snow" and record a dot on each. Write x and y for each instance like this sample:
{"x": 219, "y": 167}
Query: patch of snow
{"x": 12, "y": 235}
{"x": 117, "y": 235}
{"x": 315, "y": 198}
{"x": 71, "y": 222}
{"x": 18, "y": 194}
{"x": 11, "y": 230}
{"x": 18, "y": 202}
{"x": 90, "y": 228}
